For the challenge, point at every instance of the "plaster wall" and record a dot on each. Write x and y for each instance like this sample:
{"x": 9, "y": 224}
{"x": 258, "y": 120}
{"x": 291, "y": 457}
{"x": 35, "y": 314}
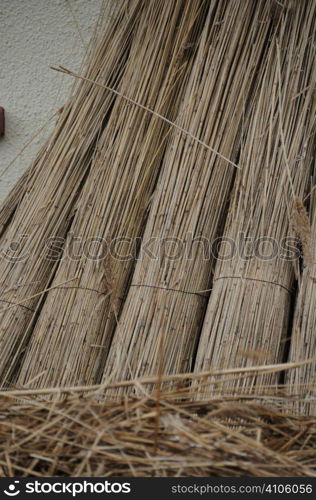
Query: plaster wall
{"x": 35, "y": 34}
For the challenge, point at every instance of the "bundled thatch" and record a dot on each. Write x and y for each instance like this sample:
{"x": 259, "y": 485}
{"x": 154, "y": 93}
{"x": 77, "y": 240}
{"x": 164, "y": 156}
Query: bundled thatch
{"x": 12, "y": 200}
{"x": 303, "y": 339}
{"x": 248, "y": 314}
{"x": 52, "y": 187}
{"x": 161, "y": 318}
{"x": 184, "y": 109}
{"x": 192, "y": 119}
{"x": 145, "y": 437}
{"x": 74, "y": 327}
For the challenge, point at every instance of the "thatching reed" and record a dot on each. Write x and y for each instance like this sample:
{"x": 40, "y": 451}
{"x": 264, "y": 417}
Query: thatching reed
{"x": 69, "y": 345}
{"x": 248, "y": 315}
{"x": 303, "y": 341}
{"x": 191, "y": 120}
{"x": 48, "y": 203}
{"x": 160, "y": 321}
{"x": 149, "y": 438}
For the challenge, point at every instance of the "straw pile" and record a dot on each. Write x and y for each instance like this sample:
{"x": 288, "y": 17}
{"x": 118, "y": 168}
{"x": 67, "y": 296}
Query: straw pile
{"x": 248, "y": 314}
{"x": 130, "y": 438}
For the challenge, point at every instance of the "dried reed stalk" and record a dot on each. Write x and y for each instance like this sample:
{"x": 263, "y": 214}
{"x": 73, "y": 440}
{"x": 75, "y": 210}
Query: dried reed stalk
{"x": 249, "y": 308}
{"x": 47, "y": 204}
{"x": 74, "y": 328}
{"x": 302, "y": 380}
{"x": 161, "y": 318}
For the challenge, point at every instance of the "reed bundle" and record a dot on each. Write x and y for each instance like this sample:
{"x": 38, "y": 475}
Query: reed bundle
{"x": 74, "y": 328}
{"x": 248, "y": 314}
{"x": 302, "y": 380}
{"x": 46, "y": 207}
{"x": 11, "y": 202}
{"x": 161, "y": 318}
{"x": 191, "y": 120}
{"x": 218, "y": 437}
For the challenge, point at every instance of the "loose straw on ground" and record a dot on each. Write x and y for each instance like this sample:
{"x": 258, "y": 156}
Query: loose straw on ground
{"x": 201, "y": 438}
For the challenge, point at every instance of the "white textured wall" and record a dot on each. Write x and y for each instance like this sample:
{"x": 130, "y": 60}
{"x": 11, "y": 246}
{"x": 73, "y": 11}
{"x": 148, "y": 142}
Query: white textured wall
{"x": 35, "y": 34}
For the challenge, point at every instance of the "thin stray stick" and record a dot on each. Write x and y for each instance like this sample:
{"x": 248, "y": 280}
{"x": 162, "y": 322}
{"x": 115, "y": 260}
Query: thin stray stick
{"x": 61, "y": 69}
{"x": 37, "y": 294}
{"x": 153, "y": 379}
